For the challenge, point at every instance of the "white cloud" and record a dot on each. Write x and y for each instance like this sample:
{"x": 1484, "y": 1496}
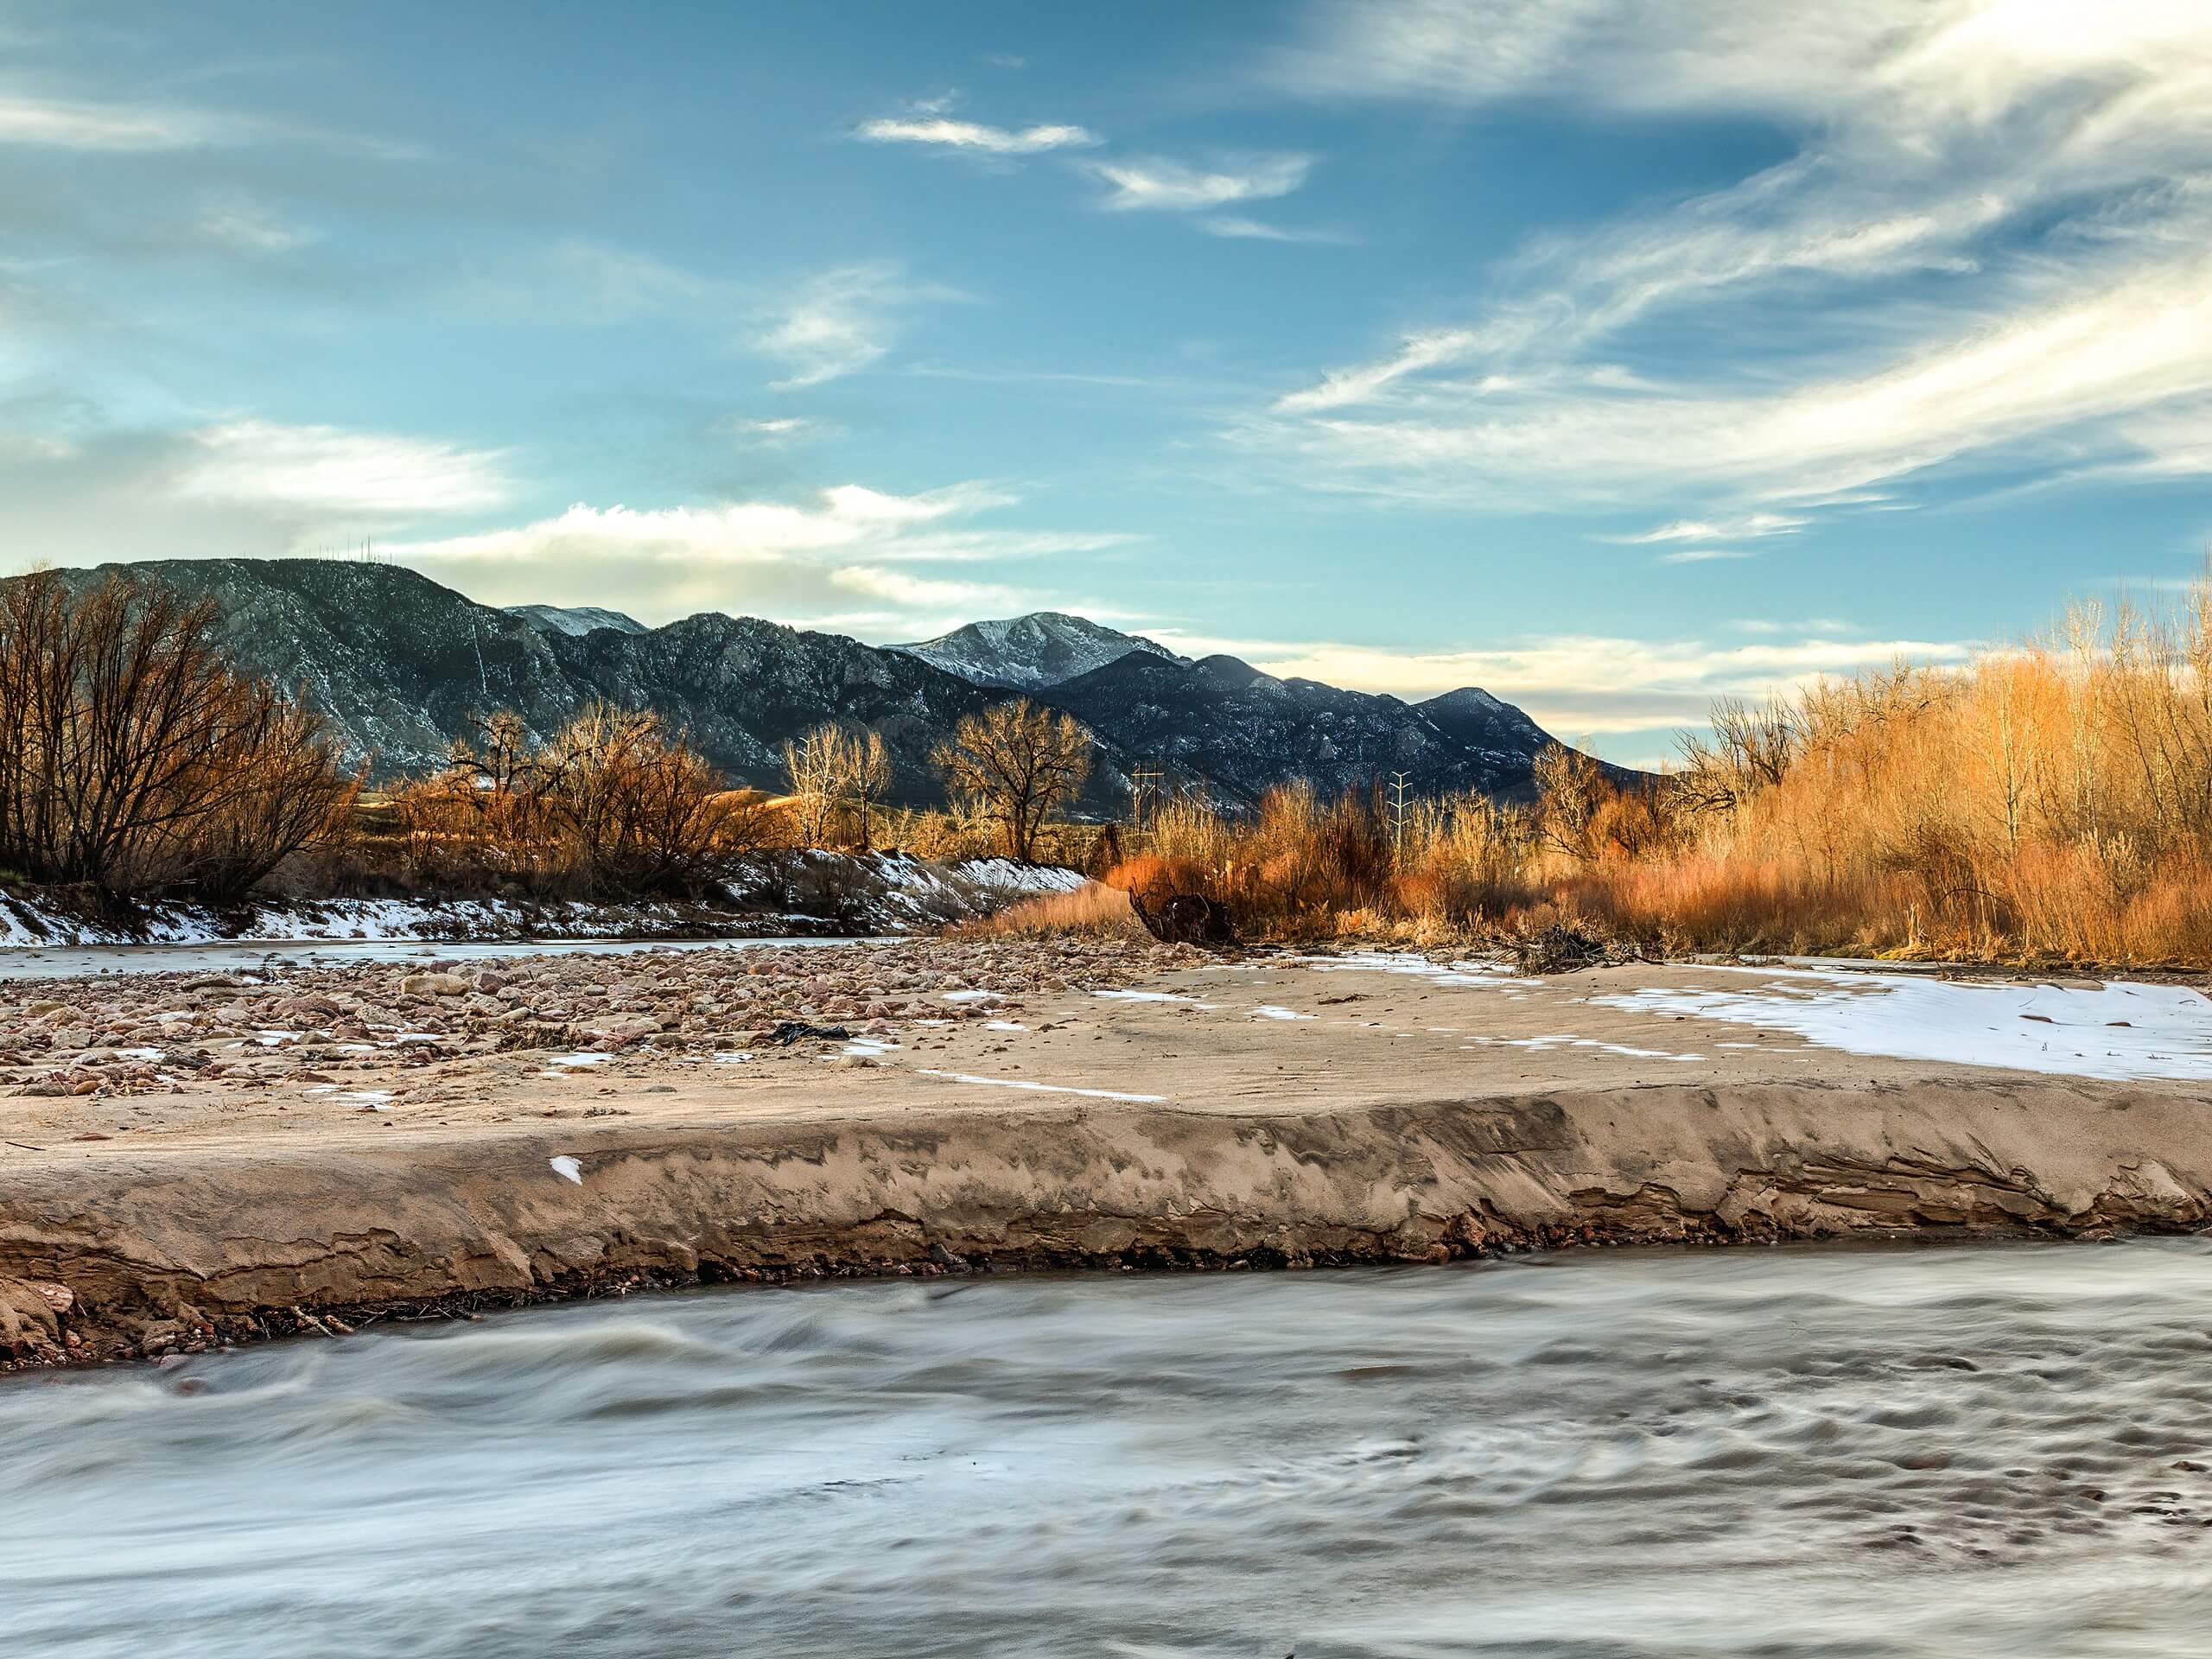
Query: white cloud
{"x": 780, "y": 429}
{"x": 1706, "y": 555}
{"x": 1160, "y": 185}
{"x": 28, "y": 122}
{"x": 1751, "y": 526}
{"x": 852, "y": 558}
{"x": 1229, "y": 225}
{"x": 2064, "y": 372}
{"x": 1347, "y": 386}
{"x": 53, "y": 124}
{"x": 235, "y": 221}
{"x": 326, "y": 469}
{"x": 1928, "y": 64}
{"x": 1636, "y": 691}
{"x": 2007, "y": 198}
{"x": 840, "y": 322}
{"x": 947, "y": 134}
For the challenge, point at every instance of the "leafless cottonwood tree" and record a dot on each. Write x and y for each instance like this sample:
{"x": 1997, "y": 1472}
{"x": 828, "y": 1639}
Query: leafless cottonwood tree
{"x": 1015, "y": 763}
{"x": 867, "y": 765}
{"x": 817, "y": 764}
{"x": 133, "y": 758}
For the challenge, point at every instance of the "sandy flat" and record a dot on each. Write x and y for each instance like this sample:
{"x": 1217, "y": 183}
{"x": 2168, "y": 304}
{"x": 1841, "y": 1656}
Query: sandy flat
{"x": 1272, "y": 1108}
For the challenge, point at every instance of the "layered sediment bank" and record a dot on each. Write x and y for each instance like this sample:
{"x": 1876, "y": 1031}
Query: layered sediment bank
{"x": 998, "y": 1107}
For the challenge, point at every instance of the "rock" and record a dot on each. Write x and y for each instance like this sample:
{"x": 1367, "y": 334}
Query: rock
{"x": 434, "y": 985}
{"x": 30, "y": 1326}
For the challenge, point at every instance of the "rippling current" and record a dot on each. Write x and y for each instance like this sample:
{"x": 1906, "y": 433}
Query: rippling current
{"x": 1936, "y": 1451}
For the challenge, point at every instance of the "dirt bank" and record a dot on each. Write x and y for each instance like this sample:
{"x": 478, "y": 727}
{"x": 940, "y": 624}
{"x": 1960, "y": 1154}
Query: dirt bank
{"x": 1062, "y": 1106}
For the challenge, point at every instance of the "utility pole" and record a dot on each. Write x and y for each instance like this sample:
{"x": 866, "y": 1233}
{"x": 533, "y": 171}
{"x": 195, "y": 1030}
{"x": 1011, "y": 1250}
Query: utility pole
{"x": 1144, "y": 781}
{"x": 1397, "y": 808}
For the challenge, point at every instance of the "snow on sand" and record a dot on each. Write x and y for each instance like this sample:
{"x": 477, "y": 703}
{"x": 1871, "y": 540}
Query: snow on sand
{"x": 2116, "y": 1031}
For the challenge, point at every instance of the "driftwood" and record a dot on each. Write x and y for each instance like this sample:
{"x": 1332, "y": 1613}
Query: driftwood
{"x": 1185, "y": 918}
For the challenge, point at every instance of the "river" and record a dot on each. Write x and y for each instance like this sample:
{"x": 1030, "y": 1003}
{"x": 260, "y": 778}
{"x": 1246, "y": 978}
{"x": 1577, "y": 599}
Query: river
{"x": 1942, "y": 1450}
{"x": 265, "y": 956}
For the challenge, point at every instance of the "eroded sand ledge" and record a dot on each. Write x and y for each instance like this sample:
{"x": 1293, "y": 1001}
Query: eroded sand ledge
{"x": 242, "y": 1241}
{"x": 1335, "y": 1153}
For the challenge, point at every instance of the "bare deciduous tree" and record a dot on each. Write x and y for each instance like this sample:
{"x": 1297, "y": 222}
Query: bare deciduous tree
{"x": 868, "y": 766}
{"x": 1570, "y": 788}
{"x": 132, "y": 757}
{"x": 816, "y": 766}
{"x": 1016, "y": 762}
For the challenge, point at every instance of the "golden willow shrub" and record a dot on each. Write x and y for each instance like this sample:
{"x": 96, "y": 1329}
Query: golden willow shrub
{"x": 135, "y": 760}
{"x": 2050, "y": 800}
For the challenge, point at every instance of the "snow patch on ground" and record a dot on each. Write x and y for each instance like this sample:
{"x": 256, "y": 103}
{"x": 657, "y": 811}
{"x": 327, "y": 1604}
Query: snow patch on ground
{"x": 2116, "y": 1031}
{"x": 1041, "y": 1088}
{"x": 1269, "y": 1011}
{"x": 1567, "y": 1039}
{"x": 1397, "y": 962}
{"x": 877, "y": 892}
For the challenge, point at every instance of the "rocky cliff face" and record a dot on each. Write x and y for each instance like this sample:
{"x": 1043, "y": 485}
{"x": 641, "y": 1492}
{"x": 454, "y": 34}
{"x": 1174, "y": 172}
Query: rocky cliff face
{"x": 400, "y": 666}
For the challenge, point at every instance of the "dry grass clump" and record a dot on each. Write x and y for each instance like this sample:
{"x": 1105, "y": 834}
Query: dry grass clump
{"x": 1094, "y": 910}
{"x": 1303, "y": 868}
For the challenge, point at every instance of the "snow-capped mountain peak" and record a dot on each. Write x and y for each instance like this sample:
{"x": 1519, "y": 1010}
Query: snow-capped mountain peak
{"x": 576, "y": 620}
{"x": 1030, "y": 653}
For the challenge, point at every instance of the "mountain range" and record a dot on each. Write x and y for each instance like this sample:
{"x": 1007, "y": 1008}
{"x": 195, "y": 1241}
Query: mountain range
{"x": 399, "y": 664}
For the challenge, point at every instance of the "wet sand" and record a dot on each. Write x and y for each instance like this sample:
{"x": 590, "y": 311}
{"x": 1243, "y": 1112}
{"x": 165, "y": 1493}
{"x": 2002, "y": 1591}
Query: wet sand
{"x": 1007, "y": 1106}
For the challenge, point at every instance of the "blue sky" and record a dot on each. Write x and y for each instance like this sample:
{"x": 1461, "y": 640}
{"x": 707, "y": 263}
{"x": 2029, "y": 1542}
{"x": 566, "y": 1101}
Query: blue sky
{"x": 1610, "y": 354}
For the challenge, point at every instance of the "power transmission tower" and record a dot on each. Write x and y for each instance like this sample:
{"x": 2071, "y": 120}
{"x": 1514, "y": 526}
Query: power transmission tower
{"x": 1397, "y": 809}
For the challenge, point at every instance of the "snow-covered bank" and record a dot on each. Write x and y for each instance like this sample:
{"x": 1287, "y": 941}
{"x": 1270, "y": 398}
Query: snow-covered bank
{"x": 796, "y": 894}
{"x": 2118, "y": 1030}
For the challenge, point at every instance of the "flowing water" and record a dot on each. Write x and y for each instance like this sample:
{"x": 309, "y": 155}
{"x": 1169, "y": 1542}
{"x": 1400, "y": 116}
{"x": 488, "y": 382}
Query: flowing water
{"x": 1967, "y": 1450}
{"x": 265, "y": 957}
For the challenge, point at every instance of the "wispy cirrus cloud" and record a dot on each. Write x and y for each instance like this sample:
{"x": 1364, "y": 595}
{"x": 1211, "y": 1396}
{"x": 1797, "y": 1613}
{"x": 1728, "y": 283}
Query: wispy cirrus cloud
{"x": 1140, "y": 183}
{"x": 1749, "y": 526}
{"x": 29, "y": 121}
{"x": 842, "y": 321}
{"x": 60, "y": 124}
{"x": 1158, "y": 185}
{"x": 944, "y": 133}
{"x": 1237, "y": 227}
{"x": 2011, "y": 194}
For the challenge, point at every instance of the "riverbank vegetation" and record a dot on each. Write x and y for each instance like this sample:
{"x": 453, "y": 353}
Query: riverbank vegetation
{"x": 2051, "y": 801}
{"x": 2047, "y": 801}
